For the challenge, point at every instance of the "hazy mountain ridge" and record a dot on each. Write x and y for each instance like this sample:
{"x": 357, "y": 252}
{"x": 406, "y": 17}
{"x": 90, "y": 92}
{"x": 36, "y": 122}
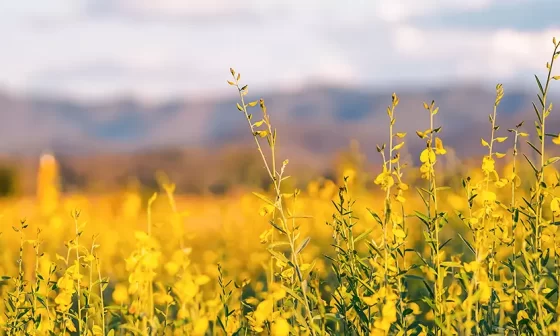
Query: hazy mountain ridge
{"x": 315, "y": 119}
{"x": 204, "y": 144}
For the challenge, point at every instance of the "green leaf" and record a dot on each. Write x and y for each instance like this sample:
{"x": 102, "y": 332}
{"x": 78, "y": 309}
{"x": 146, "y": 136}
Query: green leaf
{"x": 468, "y": 244}
{"x": 414, "y": 277}
{"x": 277, "y": 227}
{"x": 302, "y": 245}
{"x": 552, "y": 160}
{"x": 451, "y": 264}
{"x": 429, "y": 289}
{"x": 407, "y": 312}
{"x": 540, "y": 85}
{"x": 423, "y": 218}
{"x": 363, "y": 235}
{"x": 534, "y": 148}
{"x": 531, "y": 163}
{"x": 265, "y": 199}
{"x": 294, "y": 295}
{"x": 279, "y": 256}
{"x": 444, "y": 244}
{"x": 278, "y": 244}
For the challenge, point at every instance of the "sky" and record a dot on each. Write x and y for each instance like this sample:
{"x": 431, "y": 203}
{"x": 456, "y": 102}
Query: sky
{"x": 173, "y": 48}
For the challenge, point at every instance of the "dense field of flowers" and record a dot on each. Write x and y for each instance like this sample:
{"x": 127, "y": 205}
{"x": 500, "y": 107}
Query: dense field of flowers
{"x": 428, "y": 253}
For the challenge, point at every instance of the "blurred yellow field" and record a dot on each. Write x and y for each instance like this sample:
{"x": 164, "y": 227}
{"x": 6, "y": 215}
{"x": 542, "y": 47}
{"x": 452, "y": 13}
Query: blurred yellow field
{"x": 428, "y": 253}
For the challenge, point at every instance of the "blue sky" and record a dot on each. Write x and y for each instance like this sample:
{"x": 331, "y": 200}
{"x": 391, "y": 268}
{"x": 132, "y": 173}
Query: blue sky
{"x": 164, "y": 48}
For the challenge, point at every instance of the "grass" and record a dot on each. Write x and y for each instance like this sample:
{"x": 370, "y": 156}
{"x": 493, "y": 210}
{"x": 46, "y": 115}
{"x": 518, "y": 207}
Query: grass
{"x": 416, "y": 257}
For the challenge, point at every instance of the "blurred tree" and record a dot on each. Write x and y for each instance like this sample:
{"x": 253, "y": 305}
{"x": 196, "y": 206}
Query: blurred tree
{"x": 8, "y": 182}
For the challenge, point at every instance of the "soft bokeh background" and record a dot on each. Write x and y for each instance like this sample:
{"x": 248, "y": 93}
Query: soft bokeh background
{"x": 121, "y": 88}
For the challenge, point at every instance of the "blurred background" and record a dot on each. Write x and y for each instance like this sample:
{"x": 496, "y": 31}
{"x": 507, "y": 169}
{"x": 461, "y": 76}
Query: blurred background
{"x": 118, "y": 90}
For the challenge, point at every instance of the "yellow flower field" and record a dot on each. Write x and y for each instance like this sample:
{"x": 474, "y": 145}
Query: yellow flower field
{"x": 427, "y": 253}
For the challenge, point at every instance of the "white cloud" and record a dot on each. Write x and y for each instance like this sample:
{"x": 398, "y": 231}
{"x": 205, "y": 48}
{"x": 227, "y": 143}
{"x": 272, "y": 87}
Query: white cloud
{"x": 188, "y": 46}
{"x": 401, "y": 10}
{"x": 498, "y": 55}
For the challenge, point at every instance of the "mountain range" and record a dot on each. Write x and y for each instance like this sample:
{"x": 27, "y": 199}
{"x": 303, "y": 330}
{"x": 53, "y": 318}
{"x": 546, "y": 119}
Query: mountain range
{"x": 203, "y": 133}
{"x": 316, "y": 119}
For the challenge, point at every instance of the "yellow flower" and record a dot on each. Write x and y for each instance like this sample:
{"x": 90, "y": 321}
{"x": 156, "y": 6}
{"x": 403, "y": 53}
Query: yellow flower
{"x": 555, "y": 205}
{"x": 556, "y": 140}
{"x": 64, "y": 300}
{"x": 120, "y": 294}
{"x": 385, "y": 179}
{"x": 400, "y": 198}
{"x": 189, "y": 289}
{"x": 488, "y": 196}
{"x": 288, "y": 273}
{"x": 264, "y": 310}
{"x": 202, "y": 280}
{"x": 70, "y": 325}
{"x": 266, "y": 210}
{"x": 200, "y": 326}
{"x": 428, "y": 156}
{"x": 265, "y": 236}
{"x": 485, "y": 292}
{"x": 472, "y": 266}
{"x": 439, "y": 147}
{"x": 280, "y": 327}
{"x": 389, "y": 312}
{"x": 399, "y": 233}
{"x": 172, "y": 268}
{"x": 65, "y": 283}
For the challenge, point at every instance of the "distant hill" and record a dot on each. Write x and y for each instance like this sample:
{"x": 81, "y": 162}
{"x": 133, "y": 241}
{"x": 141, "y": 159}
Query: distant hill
{"x": 315, "y": 118}
{"x": 313, "y": 124}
